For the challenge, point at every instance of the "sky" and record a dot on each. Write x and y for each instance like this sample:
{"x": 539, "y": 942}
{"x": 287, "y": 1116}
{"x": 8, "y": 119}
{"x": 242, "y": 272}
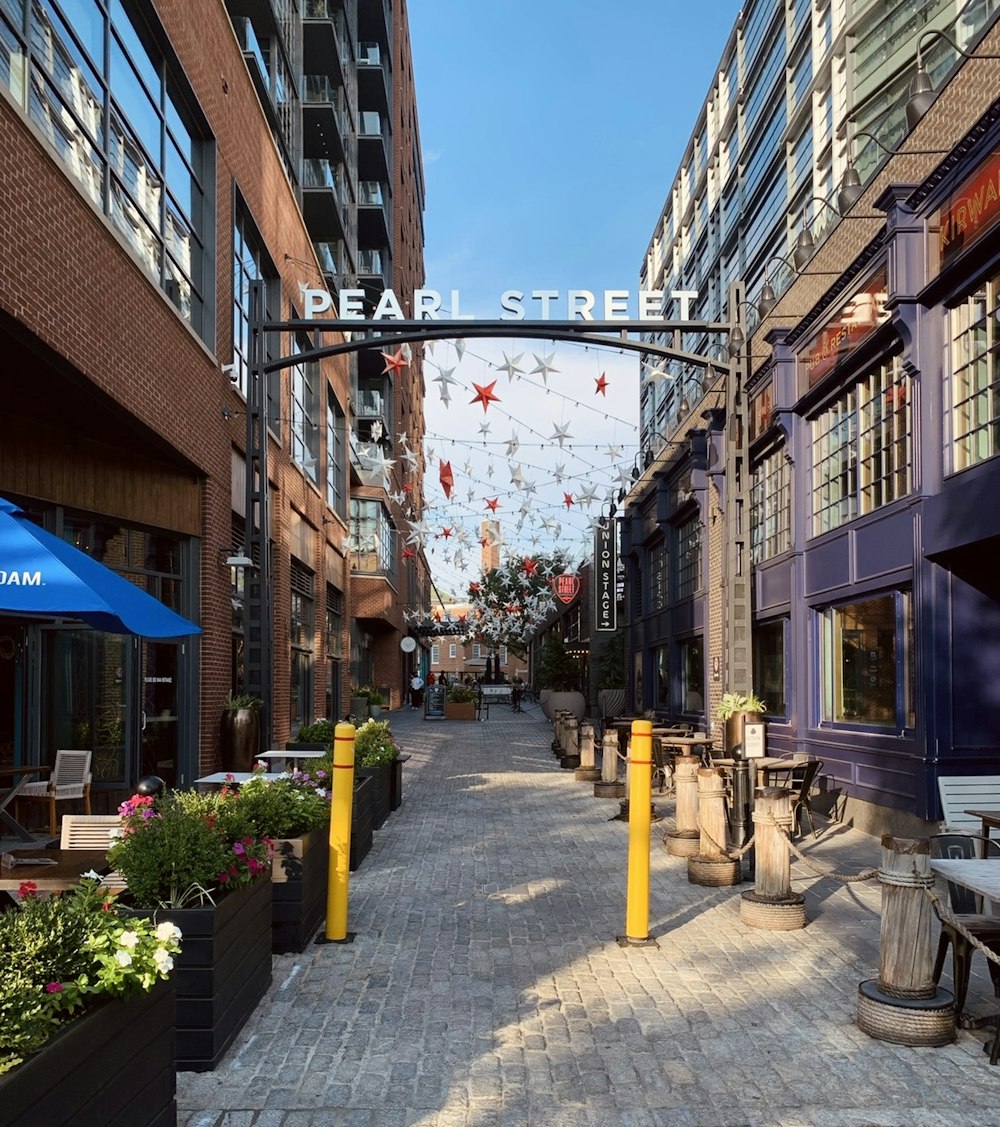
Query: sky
{"x": 551, "y": 132}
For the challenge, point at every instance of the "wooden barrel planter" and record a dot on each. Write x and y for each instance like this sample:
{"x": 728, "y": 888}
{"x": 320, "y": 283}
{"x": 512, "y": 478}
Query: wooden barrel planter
{"x": 299, "y": 875}
{"x": 113, "y": 1066}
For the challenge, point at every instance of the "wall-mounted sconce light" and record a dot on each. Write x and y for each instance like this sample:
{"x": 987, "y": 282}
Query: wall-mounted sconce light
{"x": 235, "y": 557}
{"x": 921, "y": 95}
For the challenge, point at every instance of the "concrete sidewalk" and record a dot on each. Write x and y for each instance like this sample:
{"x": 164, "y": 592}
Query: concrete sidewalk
{"x": 485, "y": 987}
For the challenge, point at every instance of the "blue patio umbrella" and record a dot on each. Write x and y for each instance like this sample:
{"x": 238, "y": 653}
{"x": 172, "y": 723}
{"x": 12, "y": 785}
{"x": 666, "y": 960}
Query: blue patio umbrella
{"x": 43, "y": 576}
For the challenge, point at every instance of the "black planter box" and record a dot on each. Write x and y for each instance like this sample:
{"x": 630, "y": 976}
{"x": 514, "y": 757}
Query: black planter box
{"x": 223, "y": 971}
{"x": 380, "y": 791}
{"x": 361, "y": 821}
{"x": 111, "y": 1067}
{"x": 396, "y": 782}
{"x": 299, "y": 875}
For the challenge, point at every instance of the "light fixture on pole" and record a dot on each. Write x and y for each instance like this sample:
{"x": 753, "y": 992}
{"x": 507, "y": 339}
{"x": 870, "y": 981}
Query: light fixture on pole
{"x": 767, "y": 299}
{"x": 921, "y": 95}
{"x": 235, "y": 557}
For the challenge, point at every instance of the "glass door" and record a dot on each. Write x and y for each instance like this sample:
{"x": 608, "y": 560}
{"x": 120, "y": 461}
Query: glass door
{"x": 159, "y": 740}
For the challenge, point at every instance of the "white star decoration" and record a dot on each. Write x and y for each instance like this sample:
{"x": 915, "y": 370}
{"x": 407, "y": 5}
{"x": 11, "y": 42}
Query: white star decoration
{"x": 544, "y": 366}
{"x": 510, "y": 366}
{"x": 560, "y": 434}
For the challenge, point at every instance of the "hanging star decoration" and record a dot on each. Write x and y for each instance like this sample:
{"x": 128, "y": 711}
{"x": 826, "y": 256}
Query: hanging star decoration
{"x": 530, "y": 566}
{"x": 459, "y": 348}
{"x": 447, "y": 478}
{"x": 614, "y": 453}
{"x": 544, "y": 366}
{"x": 485, "y": 395}
{"x": 484, "y": 428}
{"x": 567, "y": 499}
{"x": 446, "y": 533}
{"x": 510, "y": 366}
{"x": 493, "y": 504}
{"x": 602, "y": 385}
{"x": 560, "y": 434}
{"x": 394, "y": 363}
{"x": 512, "y": 445}
{"x": 559, "y": 473}
{"x": 408, "y": 553}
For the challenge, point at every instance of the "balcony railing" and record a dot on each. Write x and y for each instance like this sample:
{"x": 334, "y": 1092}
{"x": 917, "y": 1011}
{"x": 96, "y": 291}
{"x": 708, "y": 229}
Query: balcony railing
{"x": 370, "y": 124}
{"x": 320, "y": 10}
{"x": 369, "y": 262}
{"x": 370, "y": 192}
{"x": 319, "y": 173}
{"x": 369, "y": 54}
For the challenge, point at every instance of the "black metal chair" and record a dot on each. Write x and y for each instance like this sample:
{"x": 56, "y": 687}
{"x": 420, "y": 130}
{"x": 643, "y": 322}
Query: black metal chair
{"x": 965, "y": 847}
{"x": 800, "y": 782}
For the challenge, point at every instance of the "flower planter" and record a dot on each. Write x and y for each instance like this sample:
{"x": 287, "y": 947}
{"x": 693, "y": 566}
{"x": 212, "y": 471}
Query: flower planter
{"x": 361, "y": 821}
{"x": 223, "y": 971}
{"x": 396, "y": 782}
{"x": 359, "y": 708}
{"x": 299, "y": 875}
{"x": 240, "y": 738}
{"x": 460, "y": 710}
{"x": 380, "y": 777}
{"x": 570, "y": 701}
{"x": 111, "y": 1067}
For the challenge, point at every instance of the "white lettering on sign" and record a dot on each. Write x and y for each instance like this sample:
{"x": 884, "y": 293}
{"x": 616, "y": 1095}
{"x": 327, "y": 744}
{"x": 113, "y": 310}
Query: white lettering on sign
{"x": 515, "y": 305}
{"x": 20, "y": 578}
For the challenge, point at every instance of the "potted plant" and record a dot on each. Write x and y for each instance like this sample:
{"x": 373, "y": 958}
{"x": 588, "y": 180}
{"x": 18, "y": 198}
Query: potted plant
{"x": 611, "y": 696}
{"x": 374, "y": 753}
{"x": 359, "y": 702}
{"x": 293, "y": 812}
{"x": 86, "y": 1022}
{"x": 559, "y": 673}
{"x": 737, "y": 709}
{"x": 192, "y": 859}
{"x": 240, "y": 731}
{"x": 375, "y": 703}
{"x": 460, "y": 703}
{"x": 317, "y": 736}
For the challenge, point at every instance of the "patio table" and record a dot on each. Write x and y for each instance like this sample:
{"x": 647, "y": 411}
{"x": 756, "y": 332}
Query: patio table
{"x": 68, "y": 867}
{"x": 989, "y": 818}
{"x": 8, "y": 795}
{"x": 296, "y": 755}
{"x": 219, "y": 778}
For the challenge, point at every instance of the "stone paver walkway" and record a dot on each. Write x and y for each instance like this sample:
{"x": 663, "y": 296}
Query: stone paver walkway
{"x": 485, "y": 987}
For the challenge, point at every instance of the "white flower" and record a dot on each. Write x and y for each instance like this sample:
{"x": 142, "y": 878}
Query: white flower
{"x": 114, "y": 834}
{"x": 128, "y": 939}
{"x": 91, "y": 874}
{"x": 166, "y": 931}
{"x": 163, "y": 960}
{"x": 123, "y": 958}
{"x": 321, "y": 793}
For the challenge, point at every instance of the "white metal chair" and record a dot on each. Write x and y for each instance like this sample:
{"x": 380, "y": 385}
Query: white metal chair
{"x": 70, "y": 779}
{"x": 92, "y": 831}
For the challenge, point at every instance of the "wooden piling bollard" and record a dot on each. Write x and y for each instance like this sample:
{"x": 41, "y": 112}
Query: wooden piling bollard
{"x": 711, "y": 865}
{"x": 684, "y": 839}
{"x": 588, "y": 771}
{"x": 609, "y": 786}
{"x": 772, "y": 905}
{"x": 570, "y": 758}
{"x": 904, "y": 1006}
{"x": 558, "y": 718}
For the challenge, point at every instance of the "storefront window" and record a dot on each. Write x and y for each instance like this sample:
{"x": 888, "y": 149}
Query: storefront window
{"x": 688, "y": 556}
{"x": 866, "y": 662}
{"x": 769, "y": 665}
{"x": 862, "y": 449}
{"x": 662, "y": 678}
{"x": 333, "y": 645}
{"x": 302, "y": 632}
{"x": 973, "y": 385}
{"x": 770, "y": 507}
{"x": 693, "y": 675}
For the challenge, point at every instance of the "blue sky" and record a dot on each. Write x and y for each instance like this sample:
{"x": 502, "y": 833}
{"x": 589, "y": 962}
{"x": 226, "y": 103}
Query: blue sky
{"x": 551, "y": 132}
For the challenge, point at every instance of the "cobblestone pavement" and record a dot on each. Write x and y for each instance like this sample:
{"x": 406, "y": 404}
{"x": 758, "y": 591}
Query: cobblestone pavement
{"x": 485, "y": 987}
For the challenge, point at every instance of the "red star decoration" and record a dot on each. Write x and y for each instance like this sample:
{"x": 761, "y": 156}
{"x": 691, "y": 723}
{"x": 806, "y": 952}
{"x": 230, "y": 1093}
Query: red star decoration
{"x": 485, "y": 395}
{"x": 408, "y": 553}
{"x": 492, "y": 504}
{"x": 568, "y": 499}
{"x": 446, "y": 532}
{"x": 437, "y": 616}
{"x": 473, "y": 588}
{"x": 447, "y": 478}
{"x": 461, "y": 619}
{"x": 530, "y": 567}
{"x": 393, "y": 364}
{"x": 407, "y": 488}
{"x": 602, "y": 384}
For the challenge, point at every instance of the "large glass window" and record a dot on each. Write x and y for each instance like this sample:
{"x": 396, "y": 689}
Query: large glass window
{"x": 973, "y": 380}
{"x": 769, "y": 676}
{"x": 251, "y": 263}
{"x": 770, "y": 507}
{"x": 692, "y": 675}
{"x": 333, "y": 645}
{"x": 688, "y": 557}
{"x": 304, "y": 388}
{"x": 302, "y": 633}
{"x": 372, "y": 538}
{"x": 866, "y": 662}
{"x": 117, "y": 111}
{"x": 862, "y": 448}
{"x": 336, "y": 455}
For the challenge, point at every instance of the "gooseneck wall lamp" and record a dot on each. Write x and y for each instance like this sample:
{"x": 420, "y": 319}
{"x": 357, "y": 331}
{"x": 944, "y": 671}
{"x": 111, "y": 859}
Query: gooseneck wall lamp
{"x": 921, "y": 96}
{"x": 851, "y": 186}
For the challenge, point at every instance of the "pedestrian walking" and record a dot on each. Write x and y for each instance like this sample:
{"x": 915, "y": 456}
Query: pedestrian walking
{"x": 416, "y": 691}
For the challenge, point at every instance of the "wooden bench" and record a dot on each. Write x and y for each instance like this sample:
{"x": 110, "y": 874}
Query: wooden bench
{"x": 967, "y": 792}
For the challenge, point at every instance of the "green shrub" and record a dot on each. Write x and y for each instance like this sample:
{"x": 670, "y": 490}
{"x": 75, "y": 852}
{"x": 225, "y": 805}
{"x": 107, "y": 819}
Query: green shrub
{"x": 461, "y": 694}
{"x": 318, "y": 732}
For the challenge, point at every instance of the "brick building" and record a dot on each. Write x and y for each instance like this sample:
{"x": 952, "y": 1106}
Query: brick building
{"x": 157, "y": 159}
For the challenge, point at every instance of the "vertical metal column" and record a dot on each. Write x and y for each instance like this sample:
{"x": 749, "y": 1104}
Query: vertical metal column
{"x": 738, "y": 603}
{"x": 258, "y": 596}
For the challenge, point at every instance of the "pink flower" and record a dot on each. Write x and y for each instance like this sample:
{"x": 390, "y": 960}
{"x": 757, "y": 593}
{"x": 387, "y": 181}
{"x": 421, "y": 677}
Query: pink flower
{"x": 239, "y": 848}
{"x": 27, "y": 888}
{"x": 223, "y": 877}
{"x": 54, "y": 988}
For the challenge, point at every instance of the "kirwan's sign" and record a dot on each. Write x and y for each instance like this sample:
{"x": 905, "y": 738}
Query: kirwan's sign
{"x": 857, "y": 317}
{"x": 971, "y": 210}
{"x": 515, "y": 305}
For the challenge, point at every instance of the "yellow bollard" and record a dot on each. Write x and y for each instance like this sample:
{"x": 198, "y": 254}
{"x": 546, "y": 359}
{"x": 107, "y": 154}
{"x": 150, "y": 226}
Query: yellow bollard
{"x": 639, "y": 808}
{"x": 340, "y": 835}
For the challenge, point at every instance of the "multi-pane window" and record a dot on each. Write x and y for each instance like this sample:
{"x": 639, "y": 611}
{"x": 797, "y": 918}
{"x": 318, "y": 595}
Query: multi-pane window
{"x": 692, "y": 675}
{"x": 770, "y": 507}
{"x": 301, "y": 633}
{"x": 866, "y": 662}
{"x": 688, "y": 556}
{"x": 116, "y": 110}
{"x": 503, "y": 655}
{"x": 372, "y": 538}
{"x": 453, "y": 650}
{"x": 333, "y": 645}
{"x": 336, "y": 456}
{"x": 251, "y": 263}
{"x": 973, "y": 380}
{"x": 305, "y": 411}
{"x": 862, "y": 449}
{"x": 435, "y": 654}
{"x": 769, "y": 665}
{"x": 658, "y": 577}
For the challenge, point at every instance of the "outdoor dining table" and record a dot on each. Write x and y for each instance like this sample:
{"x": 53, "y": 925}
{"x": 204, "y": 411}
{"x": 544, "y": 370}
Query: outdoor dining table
{"x": 989, "y": 818}
{"x": 296, "y": 755}
{"x": 220, "y": 778}
{"x": 8, "y": 794}
{"x": 980, "y": 876}
{"x": 61, "y": 870}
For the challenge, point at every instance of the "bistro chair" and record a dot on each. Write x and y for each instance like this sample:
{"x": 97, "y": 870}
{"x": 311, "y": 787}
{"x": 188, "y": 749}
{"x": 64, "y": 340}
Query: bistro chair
{"x": 800, "y": 782}
{"x": 92, "y": 831}
{"x": 70, "y": 780}
{"x": 965, "y": 847}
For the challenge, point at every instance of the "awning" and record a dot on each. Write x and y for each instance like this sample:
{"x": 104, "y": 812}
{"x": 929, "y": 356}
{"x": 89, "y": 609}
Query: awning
{"x": 43, "y": 576}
